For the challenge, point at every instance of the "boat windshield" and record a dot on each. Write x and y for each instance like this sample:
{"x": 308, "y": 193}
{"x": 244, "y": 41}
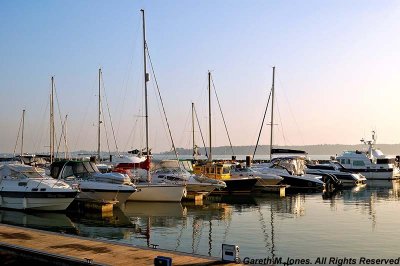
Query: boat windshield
{"x": 79, "y": 169}
{"x": 31, "y": 173}
{"x": 338, "y": 165}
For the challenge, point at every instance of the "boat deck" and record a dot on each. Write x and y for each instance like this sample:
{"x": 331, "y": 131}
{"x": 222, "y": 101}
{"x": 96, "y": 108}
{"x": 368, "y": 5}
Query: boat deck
{"x": 72, "y": 250}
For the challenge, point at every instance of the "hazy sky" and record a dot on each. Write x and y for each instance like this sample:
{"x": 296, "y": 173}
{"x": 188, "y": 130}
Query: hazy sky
{"x": 337, "y": 69}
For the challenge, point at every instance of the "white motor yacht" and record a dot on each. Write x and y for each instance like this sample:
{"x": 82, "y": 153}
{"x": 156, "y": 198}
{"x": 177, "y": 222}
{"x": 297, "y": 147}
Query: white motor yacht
{"x": 25, "y": 188}
{"x": 372, "y": 163}
{"x": 96, "y": 186}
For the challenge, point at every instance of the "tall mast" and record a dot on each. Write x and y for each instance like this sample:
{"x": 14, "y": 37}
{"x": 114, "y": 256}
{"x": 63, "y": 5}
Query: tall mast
{"x": 22, "y": 137}
{"x": 272, "y": 112}
{"x": 99, "y": 120}
{"x": 146, "y": 79}
{"x": 194, "y": 146}
{"x": 52, "y": 134}
{"x": 209, "y": 113}
{"x": 65, "y": 138}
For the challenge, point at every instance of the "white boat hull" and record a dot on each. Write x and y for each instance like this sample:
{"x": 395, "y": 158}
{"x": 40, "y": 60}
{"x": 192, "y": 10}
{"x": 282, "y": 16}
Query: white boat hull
{"x": 105, "y": 196}
{"x": 101, "y": 191}
{"x": 37, "y": 203}
{"x": 381, "y": 175}
{"x": 158, "y": 193}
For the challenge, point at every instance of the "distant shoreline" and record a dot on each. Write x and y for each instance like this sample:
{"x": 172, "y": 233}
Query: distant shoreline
{"x": 262, "y": 151}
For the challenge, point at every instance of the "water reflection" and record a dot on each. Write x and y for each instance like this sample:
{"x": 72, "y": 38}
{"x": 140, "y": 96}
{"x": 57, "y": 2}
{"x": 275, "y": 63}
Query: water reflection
{"x": 55, "y": 222}
{"x": 113, "y": 225}
{"x": 336, "y": 224}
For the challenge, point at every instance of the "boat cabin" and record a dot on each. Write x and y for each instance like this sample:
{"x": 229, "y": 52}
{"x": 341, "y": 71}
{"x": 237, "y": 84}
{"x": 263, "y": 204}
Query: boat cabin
{"x": 73, "y": 169}
{"x": 359, "y": 159}
{"x": 214, "y": 170}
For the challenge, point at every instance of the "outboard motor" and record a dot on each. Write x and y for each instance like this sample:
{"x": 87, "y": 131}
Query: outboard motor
{"x": 331, "y": 182}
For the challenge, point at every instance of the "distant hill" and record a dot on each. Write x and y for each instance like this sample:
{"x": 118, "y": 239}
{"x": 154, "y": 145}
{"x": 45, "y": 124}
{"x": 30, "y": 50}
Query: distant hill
{"x": 324, "y": 149}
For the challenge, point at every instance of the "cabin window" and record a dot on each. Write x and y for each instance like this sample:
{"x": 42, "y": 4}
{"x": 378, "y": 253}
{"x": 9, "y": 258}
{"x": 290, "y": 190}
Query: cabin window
{"x": 211, "y": 170}
{"x": 343, "y": 161}
{"x": 55, "y": 171}
{"x": 226, "y": 170}
{"x": 68, "y": 171}
{"x": 358, "y": 163}
{"x": 79, "y": 168}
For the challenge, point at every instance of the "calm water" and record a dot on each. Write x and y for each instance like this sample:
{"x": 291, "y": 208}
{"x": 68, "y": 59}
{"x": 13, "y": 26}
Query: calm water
{"x": 361, "y": 222}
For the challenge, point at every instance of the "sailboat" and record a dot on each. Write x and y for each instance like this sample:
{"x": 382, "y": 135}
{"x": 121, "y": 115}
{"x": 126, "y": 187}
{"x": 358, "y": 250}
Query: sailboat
{"x": 94, "y": 186}
{"x": 221, "y": 171}
{"x": 149, "y": 191}
{"x": 290, "y": 168}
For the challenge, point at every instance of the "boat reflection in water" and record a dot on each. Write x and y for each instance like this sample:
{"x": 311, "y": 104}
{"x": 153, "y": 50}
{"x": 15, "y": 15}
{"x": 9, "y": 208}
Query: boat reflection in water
{"x": 49, "y": 221}
{"x": 113, "y": 225}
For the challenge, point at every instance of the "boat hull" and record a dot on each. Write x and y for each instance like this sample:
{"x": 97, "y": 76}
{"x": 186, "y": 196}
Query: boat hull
{"x": 158, "y": 193}
{"x": 48, "y": 201}
{"x": 102, "y": 191}
{"x": 105, "y": 195}
{"x": 377, "y": 174}
{"x": 196, "y": 189}
{"x": 262, "y": 182}
{"x": 298, "y": 182}
{"x": 238, "y": 185}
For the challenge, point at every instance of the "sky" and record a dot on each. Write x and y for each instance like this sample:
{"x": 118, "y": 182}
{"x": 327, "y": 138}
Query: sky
{"x": 337, "y": 71}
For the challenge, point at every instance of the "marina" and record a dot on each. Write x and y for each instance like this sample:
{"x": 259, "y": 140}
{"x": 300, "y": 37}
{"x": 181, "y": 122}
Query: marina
{"x": 322, "y": 225}
{"x": 208, "y": 133}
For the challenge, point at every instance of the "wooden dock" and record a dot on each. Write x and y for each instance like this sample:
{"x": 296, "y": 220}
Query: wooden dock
{"x": 62, "y": 249}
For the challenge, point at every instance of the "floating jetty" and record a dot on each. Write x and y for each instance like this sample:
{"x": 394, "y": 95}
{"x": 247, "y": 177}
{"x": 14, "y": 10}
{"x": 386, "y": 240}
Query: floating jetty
{"x": 47, "y": 248}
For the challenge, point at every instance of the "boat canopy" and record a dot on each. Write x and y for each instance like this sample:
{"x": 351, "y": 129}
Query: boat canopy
{"x": 287, "y": 151}
{"x": 18, "y": 171}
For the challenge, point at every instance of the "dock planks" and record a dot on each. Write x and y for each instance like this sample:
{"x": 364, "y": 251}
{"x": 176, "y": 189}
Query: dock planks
{"x": 100, "y": 252}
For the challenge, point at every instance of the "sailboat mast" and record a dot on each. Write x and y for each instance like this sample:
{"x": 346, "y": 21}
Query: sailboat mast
{"x": 272, "y": 112}
{"x": 146, "y": 79}
{"x": 65, "y": 138}
{"x": 194, "y": 148}
{"x": 52, "y": 136}
{"x": 99, "y": 120}
{"x": 22, "y": 136}
{"x": 209, "y": 114}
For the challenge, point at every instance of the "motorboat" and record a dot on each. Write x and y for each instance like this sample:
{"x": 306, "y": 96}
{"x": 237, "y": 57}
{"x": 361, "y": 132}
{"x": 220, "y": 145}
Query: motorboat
{"x": 292, "y": 170}
{"x": 222, "y": 171}
{"x": 195, "y": 184}
{"x": 264, "y": 179}
{"x": 94, "y": 186}
{"x": 334, "y": 168}
{"x": 25, "y": 188}
{"x": 372, "y": 163}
